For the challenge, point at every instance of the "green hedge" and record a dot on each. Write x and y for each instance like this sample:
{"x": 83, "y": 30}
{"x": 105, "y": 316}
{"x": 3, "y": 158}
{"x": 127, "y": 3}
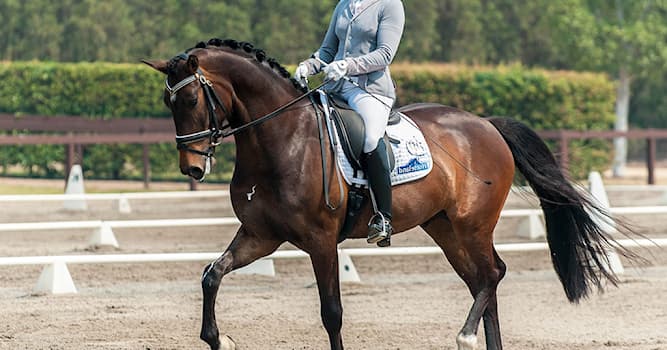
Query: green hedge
{"x": 545, "y": 100}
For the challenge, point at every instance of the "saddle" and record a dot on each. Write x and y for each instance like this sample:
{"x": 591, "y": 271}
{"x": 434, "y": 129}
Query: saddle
{"x": 351, "y": 130}
{"x": 409, "y": 155}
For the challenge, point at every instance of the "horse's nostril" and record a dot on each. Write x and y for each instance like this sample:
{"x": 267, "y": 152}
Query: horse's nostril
{"x": 196, "y": 172}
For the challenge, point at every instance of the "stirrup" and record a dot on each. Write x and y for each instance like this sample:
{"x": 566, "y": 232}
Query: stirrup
{"x": 379, "y": 230}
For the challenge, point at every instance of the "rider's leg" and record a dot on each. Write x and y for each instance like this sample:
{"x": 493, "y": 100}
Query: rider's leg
{"x": 375, "y": 112}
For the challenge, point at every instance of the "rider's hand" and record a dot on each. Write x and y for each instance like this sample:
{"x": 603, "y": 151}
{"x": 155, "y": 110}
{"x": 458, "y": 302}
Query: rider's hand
{"x": 336, "y": 70}
{"x": 302, "y": 72}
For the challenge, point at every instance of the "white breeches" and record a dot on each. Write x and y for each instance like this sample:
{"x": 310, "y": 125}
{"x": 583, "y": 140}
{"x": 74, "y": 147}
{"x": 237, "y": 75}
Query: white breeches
{"x": 374, "y": 113}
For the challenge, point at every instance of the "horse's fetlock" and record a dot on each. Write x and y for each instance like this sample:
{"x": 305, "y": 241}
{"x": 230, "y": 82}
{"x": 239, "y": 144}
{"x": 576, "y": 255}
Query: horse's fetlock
{"x": 211, "y": 337}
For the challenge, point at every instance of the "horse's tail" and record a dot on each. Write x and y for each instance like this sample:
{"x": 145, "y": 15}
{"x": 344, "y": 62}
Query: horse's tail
{"x": 578, "y": 244}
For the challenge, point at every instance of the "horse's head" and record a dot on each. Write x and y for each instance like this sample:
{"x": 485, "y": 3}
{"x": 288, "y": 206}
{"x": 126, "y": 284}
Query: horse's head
{"x": 197, "y": 108}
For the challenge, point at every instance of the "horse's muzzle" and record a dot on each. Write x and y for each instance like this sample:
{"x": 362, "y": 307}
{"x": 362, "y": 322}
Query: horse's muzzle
{"x": 195, "y": 172}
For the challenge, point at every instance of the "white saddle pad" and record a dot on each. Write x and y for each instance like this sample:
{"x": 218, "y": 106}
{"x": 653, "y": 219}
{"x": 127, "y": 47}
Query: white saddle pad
{"x": 412, "y": 155}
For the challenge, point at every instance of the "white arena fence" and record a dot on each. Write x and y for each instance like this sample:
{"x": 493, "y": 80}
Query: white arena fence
{"x": 531, "y": 227}
{"x": 56, "y": 279}
{"x": 113, "y": 196}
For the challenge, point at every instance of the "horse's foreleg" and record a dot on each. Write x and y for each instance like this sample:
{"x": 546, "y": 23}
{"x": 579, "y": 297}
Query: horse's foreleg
{"x": 243, "y": 250}
{"x": 325, "y": 265}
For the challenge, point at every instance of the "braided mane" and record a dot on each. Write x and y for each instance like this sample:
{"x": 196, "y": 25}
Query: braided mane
{"x": 244, "y": 47}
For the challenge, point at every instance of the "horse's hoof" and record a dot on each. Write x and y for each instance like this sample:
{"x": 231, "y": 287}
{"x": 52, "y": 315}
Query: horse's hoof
{"x": 226, "y": 343}
{"x": 466, "y": 342}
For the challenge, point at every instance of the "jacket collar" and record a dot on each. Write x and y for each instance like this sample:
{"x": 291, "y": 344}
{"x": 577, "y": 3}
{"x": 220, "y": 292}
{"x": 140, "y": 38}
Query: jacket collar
{"x": 364, "y": 6}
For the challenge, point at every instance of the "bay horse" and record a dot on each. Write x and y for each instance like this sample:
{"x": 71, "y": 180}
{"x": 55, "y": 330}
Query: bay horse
{"x": 228, "y": 87}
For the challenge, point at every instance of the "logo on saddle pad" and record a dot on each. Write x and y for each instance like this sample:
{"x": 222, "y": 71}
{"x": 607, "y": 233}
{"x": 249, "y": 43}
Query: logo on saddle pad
{"x": 416, "y": 147}
{"x": 413, "y": 166}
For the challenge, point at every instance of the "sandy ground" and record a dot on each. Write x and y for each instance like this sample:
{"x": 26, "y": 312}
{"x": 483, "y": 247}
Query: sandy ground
{"x": 401, "y": 303}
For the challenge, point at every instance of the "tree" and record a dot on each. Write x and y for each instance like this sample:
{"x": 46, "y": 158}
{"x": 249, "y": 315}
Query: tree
{"x": 623, "y": 38}
{"x": 420, "y": 36}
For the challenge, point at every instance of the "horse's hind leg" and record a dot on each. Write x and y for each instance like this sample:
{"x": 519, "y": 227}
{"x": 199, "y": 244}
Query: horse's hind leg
{"x": 471, "y": 254}
{"x": 243, "y": 250}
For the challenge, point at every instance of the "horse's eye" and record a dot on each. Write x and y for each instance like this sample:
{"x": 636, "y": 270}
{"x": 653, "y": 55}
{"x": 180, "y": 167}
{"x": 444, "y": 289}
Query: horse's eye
{"x": 192, "y": 102}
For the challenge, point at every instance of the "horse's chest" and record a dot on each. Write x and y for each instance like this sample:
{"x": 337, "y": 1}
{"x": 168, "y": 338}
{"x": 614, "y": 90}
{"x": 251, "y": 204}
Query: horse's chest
{"x": 255, "y": 205}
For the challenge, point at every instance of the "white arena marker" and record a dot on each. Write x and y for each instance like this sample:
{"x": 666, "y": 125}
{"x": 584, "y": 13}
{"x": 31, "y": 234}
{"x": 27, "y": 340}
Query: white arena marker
{"x": 531, "y": 227}
{"x": 262, "y": 267}
{"x": 597, "y": 190}
{"x": 55, "y": 279}
{"x": 124, "y": 205}
{"x": 346, "y": 269}
{"x": 103, "y": 236}
{"x": 596, "y": 187}
{"x": 615, "y": 264}
{"x": 75, "y": 188}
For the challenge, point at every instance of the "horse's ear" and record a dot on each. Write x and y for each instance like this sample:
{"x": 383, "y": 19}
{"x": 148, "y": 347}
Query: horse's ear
{"x": 193, "y": 64}
{"x": 158, "y": 65}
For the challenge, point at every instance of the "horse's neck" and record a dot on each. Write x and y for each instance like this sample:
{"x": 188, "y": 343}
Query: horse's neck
{"x": 274, "y": 146}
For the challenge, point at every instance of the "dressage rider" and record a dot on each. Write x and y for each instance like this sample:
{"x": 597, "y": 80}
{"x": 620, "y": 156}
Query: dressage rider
{"x": 361, "y": 42}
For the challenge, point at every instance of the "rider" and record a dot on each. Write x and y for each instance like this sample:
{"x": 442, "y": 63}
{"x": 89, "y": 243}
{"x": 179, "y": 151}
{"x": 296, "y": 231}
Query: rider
{"x": 361, "y": 42}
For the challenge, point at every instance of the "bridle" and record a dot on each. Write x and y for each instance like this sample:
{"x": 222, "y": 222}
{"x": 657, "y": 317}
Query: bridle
{"x": 216, "y": 132}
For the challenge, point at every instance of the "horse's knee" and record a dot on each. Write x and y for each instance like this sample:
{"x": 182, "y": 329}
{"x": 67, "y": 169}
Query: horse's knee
{"x": 214, "y": 272}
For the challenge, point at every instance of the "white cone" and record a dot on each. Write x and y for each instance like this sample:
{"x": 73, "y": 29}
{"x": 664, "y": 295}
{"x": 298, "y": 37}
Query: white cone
{"x": 259, "y": 267}
{"x": 75, "y": 187}
{"x": 103, "y": 236}
{"x": 615, "y": 264}
{"x": 531, "y": 228}
{"x": 55, "y": 279}
{"x": 346, "y": 269}
{"x": 596, "y": 188}
{"x": 124, "y": 205}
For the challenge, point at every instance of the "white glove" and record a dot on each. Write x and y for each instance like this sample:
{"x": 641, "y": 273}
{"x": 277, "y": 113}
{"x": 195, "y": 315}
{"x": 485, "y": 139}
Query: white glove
{"x": 302, "y": 72}
{"x": 336, "y": 70}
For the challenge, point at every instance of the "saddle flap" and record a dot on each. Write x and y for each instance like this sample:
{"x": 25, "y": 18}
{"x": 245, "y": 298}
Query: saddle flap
{"x": 351, "y": 129}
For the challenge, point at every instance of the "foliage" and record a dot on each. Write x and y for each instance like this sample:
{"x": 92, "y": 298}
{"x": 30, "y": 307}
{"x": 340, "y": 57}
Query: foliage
{"x": 543, "y": 99}
{"x": 595, "y": 35}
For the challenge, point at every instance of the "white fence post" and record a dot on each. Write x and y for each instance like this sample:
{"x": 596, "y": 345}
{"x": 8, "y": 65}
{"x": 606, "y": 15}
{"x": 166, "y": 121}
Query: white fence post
{"x": 346, "y": 269}
{"x": 75, "y": 187}
{"x": 531, "y": 227}
{"x": 103, "y": 236}
{"x": 597, "y": 190}
{"x": 124, "y": 205}
{"x": 259, "y": 267}
{"x": 55, "y": 279}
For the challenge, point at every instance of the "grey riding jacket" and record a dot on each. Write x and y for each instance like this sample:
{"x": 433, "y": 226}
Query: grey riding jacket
{"x": 368, "y": 41}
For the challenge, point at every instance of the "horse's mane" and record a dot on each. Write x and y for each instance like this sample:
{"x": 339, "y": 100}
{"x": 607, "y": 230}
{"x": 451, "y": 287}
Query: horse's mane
{"x": 247, "y": 48}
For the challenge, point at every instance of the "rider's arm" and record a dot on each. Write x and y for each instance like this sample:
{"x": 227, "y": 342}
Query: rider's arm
{"x": 389, "y": 35}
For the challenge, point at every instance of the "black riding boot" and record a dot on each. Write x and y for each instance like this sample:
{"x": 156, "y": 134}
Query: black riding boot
{"x": 377, "y": 169}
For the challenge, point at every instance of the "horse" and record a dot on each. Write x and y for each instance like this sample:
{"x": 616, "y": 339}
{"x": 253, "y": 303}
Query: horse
{"x": 225, "y": 87}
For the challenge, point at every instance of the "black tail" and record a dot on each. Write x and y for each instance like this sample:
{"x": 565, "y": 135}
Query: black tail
{"x": 578, "y": 245}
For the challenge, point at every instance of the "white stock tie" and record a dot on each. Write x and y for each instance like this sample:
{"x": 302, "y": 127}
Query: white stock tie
{"x": 356, "y": 4}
